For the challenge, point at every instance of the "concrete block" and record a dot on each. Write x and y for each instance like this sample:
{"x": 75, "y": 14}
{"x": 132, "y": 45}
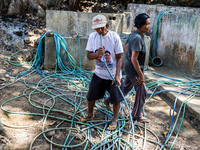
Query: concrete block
{"x": 69, "y": 23}
{"x": 73, "y": 49}
{"x": 50, "y": 53}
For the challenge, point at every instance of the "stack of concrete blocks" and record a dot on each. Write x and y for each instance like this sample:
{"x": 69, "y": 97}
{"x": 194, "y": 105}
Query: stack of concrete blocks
{"x": 70, "y": 24}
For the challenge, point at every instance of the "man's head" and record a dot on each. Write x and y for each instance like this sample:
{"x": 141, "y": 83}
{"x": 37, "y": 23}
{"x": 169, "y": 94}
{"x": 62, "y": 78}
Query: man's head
{"x": 140, "y": 20}
{"x": 99, "y": 23}
{"x": 142, "y": 23}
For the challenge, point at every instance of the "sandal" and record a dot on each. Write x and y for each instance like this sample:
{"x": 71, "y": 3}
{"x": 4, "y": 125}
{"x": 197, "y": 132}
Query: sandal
{"x": 85, "y": 119}
{"x": 112, "y": 126}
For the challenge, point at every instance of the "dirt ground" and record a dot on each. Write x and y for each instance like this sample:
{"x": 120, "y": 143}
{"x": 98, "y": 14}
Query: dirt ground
{"x": 24, "y": 118}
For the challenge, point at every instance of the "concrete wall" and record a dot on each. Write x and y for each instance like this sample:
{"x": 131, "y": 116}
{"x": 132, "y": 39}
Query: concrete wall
{"x": 69, "y": 23}
{"x": 196, "y": 69}
{"x": 178, "y": 42}
{"x": 178, "y": 36}
{"x": 73, "y": 49}
{"x": 153, "y": 10}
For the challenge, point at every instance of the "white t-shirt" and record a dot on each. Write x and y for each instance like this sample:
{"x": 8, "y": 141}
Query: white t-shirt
{"x": 113, "y": 45}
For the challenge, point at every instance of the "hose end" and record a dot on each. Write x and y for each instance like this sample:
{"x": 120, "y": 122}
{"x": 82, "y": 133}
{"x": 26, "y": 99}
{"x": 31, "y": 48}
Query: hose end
{"x": 157, "y": 61}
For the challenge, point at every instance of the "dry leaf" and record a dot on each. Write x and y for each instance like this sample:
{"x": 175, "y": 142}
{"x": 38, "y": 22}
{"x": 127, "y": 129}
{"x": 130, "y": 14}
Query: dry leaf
{"x": 52, "y": 122}
{"x": 150, "y": 138}
{"x": 181, "y": 137}
{"x": 165, "y": 134}
{"x": 77, "y": 126}
{"x": 140, "y": 132}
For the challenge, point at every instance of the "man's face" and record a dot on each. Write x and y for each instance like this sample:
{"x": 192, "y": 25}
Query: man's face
{"x": 102, "y": 30}
{"x": 145, "y": 28}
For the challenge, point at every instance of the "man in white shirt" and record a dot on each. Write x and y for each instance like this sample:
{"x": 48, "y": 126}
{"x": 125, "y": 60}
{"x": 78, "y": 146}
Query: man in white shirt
{"x": 102, "y": 80}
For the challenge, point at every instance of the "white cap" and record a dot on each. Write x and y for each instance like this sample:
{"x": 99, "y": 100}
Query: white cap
{"x": 99, "y": 21}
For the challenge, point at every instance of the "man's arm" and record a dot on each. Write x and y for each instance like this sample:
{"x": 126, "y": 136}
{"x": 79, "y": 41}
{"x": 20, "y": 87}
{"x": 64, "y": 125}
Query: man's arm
{"x": 126, "y": 47}
{"x": 118, "y": 68}
{"x": 134, "y": 59}
{"x": 91, "y": 55}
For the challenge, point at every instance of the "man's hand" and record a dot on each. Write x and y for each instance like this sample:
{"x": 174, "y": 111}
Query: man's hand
{"x": 117, "y": 80}
{"x": 101, "y": 51}
{"x": 140, "y": 81}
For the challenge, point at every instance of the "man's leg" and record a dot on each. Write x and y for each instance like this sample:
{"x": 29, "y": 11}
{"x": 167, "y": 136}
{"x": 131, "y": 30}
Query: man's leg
{"x": 141, "y": 94}
{"x": 113, "y": 124}
{"x": 95, "y": 92}
{"x": 90, "y": 112}
{"x": 116, "y": 107}
{"x": 125, "y": 87}
{"x": 90, "y": 109}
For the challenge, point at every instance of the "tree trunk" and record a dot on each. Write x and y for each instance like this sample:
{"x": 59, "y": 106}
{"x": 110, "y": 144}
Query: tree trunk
{"x": 14, "y": 8}
{"x": 4, "y": 5}
{"x": 74, "y": 3}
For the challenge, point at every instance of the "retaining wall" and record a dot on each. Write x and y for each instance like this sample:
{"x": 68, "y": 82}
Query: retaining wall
{"x": 73, "y": 49}
{"x": 178, "y": 43}
{"x": 178, "y": 39}
{"x": 70, "y": 24}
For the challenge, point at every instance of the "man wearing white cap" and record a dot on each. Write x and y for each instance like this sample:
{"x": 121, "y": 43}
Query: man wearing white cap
{"x": 101, "y": 80}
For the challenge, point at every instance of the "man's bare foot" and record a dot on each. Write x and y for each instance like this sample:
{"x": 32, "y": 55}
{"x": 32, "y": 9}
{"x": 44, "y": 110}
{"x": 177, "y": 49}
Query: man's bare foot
{"x": 141, "y": 119}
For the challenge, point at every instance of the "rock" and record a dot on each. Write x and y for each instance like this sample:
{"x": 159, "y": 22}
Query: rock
{"x": 27, "y": 40}
{"x": 36, "y": 31}
{"x": 79, "y": 137}
{"x": 25, "y": 56}
{"x": 50, "y": 133}
{"x": 25, "y": 25}
{"x": 2, "y": 33}
{"x": 92, "y": 130}
{"x": 49, "y": 34}
{"x": 2, "y": 72}
{"x": 30, "y": 34}
{"x": 33, "y": 23}
{"x": 41, "y": 13}
{"x": 18, "y": 33}
{"x": 1, "y": 128}
{"x": 4, "y": 140}
{"x": 9, "y": 37}
{"x": 18, "y": 43}
{"x": 19, "y": 20}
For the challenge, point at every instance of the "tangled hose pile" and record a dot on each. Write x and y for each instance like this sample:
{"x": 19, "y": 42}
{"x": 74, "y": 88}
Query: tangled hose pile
{"x": 61, "y": 96}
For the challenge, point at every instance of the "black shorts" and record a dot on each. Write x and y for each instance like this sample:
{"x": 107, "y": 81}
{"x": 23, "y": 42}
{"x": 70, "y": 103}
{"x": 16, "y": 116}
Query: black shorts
{"x": 98, "y": 87}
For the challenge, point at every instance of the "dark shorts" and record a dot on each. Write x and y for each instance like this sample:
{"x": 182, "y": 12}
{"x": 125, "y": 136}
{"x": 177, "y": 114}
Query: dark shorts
{"x": 98, "y": 87}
